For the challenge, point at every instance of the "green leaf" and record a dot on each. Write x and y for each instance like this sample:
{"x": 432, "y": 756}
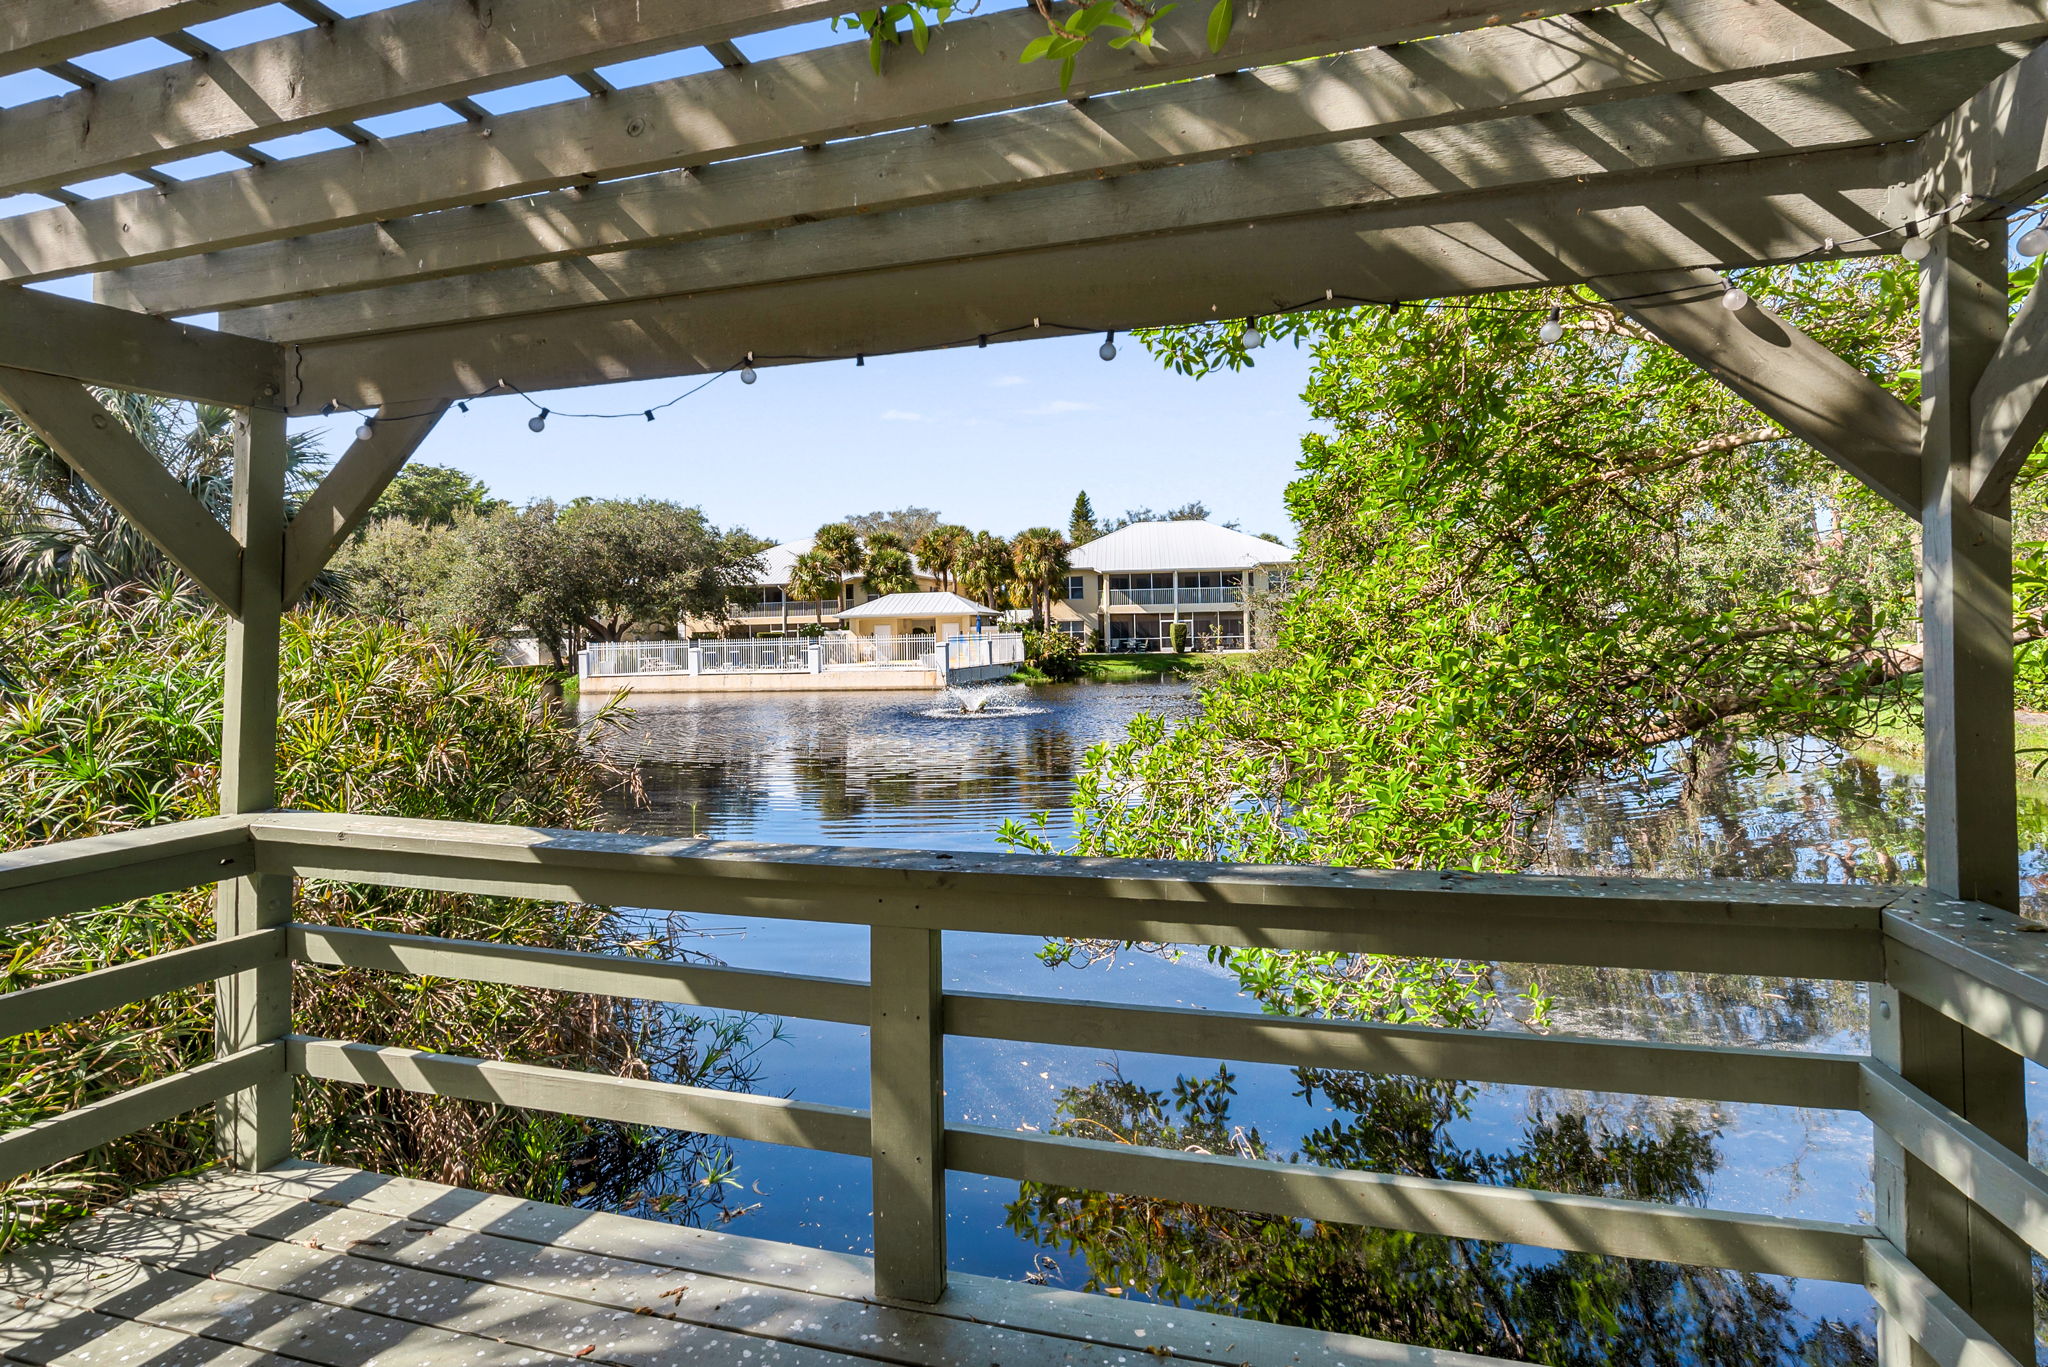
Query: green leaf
{"x": 920, "y": 31}
{"x": 1220, "y": 20}
{"x": 1039, "y": 48}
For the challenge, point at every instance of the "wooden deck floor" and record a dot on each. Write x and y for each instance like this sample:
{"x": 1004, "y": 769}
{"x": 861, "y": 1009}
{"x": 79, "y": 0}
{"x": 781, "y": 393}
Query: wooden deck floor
{"x": 348, "y": 1269}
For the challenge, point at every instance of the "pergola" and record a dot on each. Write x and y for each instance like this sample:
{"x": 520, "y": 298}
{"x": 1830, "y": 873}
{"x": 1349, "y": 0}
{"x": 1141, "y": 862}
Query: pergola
{"x": 808, "y": 207}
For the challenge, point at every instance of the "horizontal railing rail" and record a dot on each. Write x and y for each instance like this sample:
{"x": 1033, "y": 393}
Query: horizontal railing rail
{"x": 1968, "y": 963}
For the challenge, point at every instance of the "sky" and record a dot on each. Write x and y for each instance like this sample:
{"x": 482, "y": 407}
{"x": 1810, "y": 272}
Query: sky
{"x": 1001, "y": 438}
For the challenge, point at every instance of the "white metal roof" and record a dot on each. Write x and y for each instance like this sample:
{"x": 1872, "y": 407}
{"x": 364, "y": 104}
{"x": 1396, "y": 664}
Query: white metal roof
{"x": 920, "y": 605}
{"x": 1150, "y": 546}
{"x": 780, "y": 562}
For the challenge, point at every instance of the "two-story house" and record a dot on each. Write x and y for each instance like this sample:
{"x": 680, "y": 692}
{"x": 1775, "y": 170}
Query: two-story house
{"x": 1128, "y": 588}
{"x": 769, "y": 610}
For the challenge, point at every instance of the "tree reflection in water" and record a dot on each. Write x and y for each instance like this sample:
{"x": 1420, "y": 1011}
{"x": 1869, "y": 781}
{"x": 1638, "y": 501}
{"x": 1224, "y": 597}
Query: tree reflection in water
{"x": 1530, "y": 1305}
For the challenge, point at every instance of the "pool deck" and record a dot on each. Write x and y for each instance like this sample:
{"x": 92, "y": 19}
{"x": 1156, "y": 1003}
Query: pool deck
{"x": 332, "y": 1266}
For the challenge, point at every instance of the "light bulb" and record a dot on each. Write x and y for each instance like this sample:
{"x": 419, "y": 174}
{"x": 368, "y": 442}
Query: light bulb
{"x": 1552, "y": 331}
{"x": 367, "y": 430}
{"x": 1916, "y": 248}
{"x": 2034, "y": 241}
{"x": 1735, "y": 300}
{"x": 538, "y": 422}
{"x": 1107, "y": 351}
{"x": 1253, "y": 338}
{"x": 747, "y": 375}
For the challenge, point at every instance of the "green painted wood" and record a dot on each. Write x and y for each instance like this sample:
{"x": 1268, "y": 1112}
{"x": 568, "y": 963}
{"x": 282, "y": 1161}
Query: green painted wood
{"x": 255, "y": 1006}
{"x": 1759, "y": 1076}
{"x": 94, "y": 344}
{"x": 62, "y": 1335}
{"x": 1721, "y": 926}
{"x": 907, "y": 1109}
{"x": 1929, "y": 1317}
{"x": 345, "y": 496}
{"x": 560, "y": 970}
{"x": 1994, "y": 1177}
{"x": 632, "y": 1101}
{"x": 34, "y": 1147}
{"x": 1980, "y": 966}
{"x": 74, "y": 998}
{"x": 1591, "y": 1224}
{"x": 36, "y": 33}
{"x": 103, "y": 870}
{"x": 107, "y": 456}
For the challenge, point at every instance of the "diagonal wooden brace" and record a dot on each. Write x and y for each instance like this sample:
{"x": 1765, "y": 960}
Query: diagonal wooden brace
{"x": 343, "y": 499}
{"x": 95, "y": 444}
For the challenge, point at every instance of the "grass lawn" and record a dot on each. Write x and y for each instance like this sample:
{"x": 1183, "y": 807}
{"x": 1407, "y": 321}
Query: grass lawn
{"x": 1129, "y": 668}
{"x": 1898, "y": 739}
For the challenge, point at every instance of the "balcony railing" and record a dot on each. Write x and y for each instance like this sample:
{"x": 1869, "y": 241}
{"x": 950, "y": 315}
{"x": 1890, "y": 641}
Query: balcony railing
{"x": 1948, "y": 964}
{"x": 1168, "y": 598}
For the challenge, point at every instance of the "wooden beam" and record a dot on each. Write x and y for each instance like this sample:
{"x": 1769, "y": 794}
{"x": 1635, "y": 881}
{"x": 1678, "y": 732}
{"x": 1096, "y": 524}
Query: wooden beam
{"x": 419, "y": 53}
{"x": 1513, "y": 242}
{"x": 907, "y": 1111}
{"x": 820, "y": 97}
{"x": 343, "y": 499}
{"x": 1258, "y": 111}
{"x": 1923, "y": 1316}
{"x": 116, "y": 349}
{"x": 37, "y": 33}
{"x": 1792, "y": 379}
{"x": 1992, "y": 152}
{"x": 107, "y": 456}
{"x": 88, "y": 994}
{"x": 2010, "y": 406}
{"x": 102, "y": 870}
{"x": 1056, "y": 200}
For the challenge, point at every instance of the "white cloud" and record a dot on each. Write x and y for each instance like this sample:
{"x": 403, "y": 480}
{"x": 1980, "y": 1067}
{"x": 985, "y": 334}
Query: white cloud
{"x": 1007, "y": 382}
{"x": 902, "y": 415}
{"x": 1057, "y": 406}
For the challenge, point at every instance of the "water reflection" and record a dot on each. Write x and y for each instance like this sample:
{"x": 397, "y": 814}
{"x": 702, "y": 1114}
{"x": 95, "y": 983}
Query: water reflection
{"x": 916, "y": 770}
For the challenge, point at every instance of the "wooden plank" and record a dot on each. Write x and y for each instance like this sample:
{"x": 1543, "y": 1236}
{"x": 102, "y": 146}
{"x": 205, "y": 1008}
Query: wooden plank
{"x": 46, "y": 1142}
{"x": 115, "y": 1266}
{"x": 254, "y": 1007}
{"x": 420, "y": 53}
{"x": 566, "y": 970}
{"x": 799, "y": 100}
{"x": 1450, "y": 171}
{"x": 1928, "y": 1316}
{"x": 1792, "y": 379}
{"x": 322, "y": 525}
{"x": 1979, "y": 966}
{"x": 1763, "y": 928}
{"x": 810, "y": 1299}
{"x": 1770, "y": 211}
{"x": 103, "y": 870}
{"x": 92, "y": 343}
{"x": 630, "y": 1101}
{"x": 1756, "y": 1076}
{"x": 95, "y": 444}
{"x": 1458, "y": 1210}
{"x": 62, "y": 1335}
{"x": 87, "y": 994}
{"x": 906, "y": 1100}
{"x": 1992, "y": 152}
{"x": 36, "y": 33}
{"x": 1999, "y": 1180}
{"x": 2010, "y": 406}
{"x": 1261, "y": 110}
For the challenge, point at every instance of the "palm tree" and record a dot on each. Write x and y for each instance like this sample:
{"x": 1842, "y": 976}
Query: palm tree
{"x": 888, "y": 566}
{"x": 812, "y": 577}
{"x": 842, "y": 549}
{"x": 1039, "y": 558}
{"x": 56, "y": 531}
{"x": 939, "y": 551}
{"x": 984, "y": 569}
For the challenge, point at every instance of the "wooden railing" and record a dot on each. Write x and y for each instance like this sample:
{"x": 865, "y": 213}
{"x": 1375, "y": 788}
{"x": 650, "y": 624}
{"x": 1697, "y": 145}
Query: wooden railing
{"x": 1954, "y": 964}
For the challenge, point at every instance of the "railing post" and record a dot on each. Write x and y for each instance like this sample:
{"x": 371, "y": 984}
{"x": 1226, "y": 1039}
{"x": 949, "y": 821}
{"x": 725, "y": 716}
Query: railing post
{"x": 255, "y": 1125}
{"x": 907, "y": 1112}
{"x": 1971, "y": 801}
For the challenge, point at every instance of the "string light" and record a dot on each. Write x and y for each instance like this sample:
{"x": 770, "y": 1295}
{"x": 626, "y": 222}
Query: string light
{"x": 860, "y": 358}
{"x": 1552, "y": 331}
{"x": 2034, "y": 241}
{"x": 650, "y": 415}
{"x": 538, "y": 422}
{"x": 1736, "y": 299}
{"x": 1253, "y": 338}
{"x": 367, "y": 430}
{"x": 327, "y": 409}
{"x": 747, "y": 375}
{"x": 1107, "y": 351}
{"x": 1916, "y": 248}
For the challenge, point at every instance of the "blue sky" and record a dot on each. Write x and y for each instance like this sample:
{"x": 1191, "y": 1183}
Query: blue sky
{"x": 999, "y": 438}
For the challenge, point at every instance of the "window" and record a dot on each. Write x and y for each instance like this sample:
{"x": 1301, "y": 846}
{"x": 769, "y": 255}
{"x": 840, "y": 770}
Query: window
{"x": 1077, "y": 587}
{"x": 1074, "y": 629}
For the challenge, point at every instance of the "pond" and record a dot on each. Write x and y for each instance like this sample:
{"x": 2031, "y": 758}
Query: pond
{"x": 916, "y": 771}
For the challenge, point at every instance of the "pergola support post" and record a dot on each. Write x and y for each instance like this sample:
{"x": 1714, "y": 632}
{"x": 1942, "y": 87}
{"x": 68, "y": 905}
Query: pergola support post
{"x": 254, "y": 1006}
{"x": 1971, "y": 802}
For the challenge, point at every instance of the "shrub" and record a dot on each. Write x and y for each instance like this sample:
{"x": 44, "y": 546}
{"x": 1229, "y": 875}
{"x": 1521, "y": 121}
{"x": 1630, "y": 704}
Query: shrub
{"x": 1178, "y": 637}
{"x": 110, "y": 719}
{"x": 1054, "y": 654}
